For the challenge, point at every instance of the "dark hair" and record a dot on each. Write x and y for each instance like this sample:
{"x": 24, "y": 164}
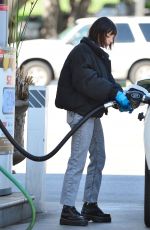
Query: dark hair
{"x": 100, "y": 28}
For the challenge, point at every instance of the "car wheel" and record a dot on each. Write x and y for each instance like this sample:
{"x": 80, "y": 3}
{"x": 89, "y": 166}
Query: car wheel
{"x": 41, "y": 72}
{"x": 139, "y": 71}
{"x": 147, "y": 197}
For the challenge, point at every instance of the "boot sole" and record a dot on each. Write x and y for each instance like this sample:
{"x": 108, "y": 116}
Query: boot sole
{"x": 98, "y": 219}
{"x": 73, "y": 223}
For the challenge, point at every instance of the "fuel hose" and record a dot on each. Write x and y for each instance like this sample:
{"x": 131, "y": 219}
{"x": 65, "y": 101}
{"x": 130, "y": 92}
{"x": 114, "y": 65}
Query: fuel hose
{"x": 62, "y": 142}
{"x": 29, "y": 199}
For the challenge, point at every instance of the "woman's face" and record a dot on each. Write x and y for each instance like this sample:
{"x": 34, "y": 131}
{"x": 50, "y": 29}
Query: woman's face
{"x": 109, "y": 39}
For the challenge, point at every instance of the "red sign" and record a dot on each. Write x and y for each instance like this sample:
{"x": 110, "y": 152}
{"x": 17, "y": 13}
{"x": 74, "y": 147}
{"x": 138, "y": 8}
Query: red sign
{"x": 3, "y": 8}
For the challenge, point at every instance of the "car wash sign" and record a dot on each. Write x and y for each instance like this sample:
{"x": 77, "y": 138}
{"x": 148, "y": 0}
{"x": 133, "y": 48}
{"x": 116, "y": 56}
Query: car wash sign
{"x": 7, "y": 96}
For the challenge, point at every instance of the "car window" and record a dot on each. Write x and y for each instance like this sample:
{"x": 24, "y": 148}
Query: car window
{"x": 124, "y": 33}
{"x": 145, "y": 27}
{"x": 79, "y": 35}
{"x": 64, "y": 33}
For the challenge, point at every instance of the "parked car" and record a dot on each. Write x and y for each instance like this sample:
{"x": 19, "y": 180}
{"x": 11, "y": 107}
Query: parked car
{"x": 130, "y": 55}
{"x": 146, "y": 84}
{"x": 147, "y": 168}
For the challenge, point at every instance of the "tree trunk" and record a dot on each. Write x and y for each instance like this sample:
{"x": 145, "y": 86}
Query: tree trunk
{"x": 55, "y": 20}
{"x": 79, "y": 8}
{"x": 50, "y": 19}
{"x": 130, "y": 4}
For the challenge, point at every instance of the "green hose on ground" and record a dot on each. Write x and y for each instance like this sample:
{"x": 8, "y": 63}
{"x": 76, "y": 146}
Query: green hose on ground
{"x": 10, "y": 177}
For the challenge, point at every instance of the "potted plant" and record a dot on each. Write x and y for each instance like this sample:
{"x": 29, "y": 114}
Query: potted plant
{"x": 21, "y": 105}
{"x": 16, "y": 32}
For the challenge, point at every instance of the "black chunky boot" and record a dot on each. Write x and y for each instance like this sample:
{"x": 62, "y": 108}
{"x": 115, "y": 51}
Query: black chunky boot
{"x": 92, "y": 212}
{"x": 70, "y": 216}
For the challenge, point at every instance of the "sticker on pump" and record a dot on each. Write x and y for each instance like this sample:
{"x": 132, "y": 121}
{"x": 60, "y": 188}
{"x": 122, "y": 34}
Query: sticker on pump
{"x": 8, "y": 100}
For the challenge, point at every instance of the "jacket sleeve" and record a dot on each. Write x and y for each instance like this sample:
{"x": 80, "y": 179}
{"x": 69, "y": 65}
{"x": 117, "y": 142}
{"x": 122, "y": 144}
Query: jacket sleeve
{"x": 86, "y": 80}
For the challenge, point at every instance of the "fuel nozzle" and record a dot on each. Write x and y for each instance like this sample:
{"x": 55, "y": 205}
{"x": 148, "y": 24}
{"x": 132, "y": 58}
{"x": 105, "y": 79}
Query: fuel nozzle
{"x": 135, "y": 97}
{"x": 146, "y": 99}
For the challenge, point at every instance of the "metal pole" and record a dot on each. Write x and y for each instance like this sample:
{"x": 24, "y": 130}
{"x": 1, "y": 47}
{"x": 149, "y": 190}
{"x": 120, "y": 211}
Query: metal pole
{"x": 3, "y": 24}
{"x": 37, "y": 132}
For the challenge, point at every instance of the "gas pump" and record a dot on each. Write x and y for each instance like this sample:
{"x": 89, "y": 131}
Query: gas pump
{"x": 7, "y": 97}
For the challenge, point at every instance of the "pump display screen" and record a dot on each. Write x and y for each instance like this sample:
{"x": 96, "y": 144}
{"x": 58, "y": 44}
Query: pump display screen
{"x": 8, "y": 100}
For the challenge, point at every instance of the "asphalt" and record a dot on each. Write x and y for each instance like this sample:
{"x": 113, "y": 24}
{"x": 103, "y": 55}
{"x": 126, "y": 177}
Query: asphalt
{"x": 122, "y": 196}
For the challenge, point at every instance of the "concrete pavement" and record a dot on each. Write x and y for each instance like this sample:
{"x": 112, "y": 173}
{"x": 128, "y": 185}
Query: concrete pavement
{"x": 122, "y": 196}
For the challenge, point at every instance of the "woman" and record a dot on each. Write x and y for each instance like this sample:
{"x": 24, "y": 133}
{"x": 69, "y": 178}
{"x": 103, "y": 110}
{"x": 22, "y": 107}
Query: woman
{"x": 85, "y": 83}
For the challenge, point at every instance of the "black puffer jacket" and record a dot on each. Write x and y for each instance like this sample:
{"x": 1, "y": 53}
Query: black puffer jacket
{"x": 86, "y": 81}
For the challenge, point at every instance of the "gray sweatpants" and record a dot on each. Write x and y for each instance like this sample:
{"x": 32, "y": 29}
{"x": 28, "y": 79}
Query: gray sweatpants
{"x": 89, "y": 137}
